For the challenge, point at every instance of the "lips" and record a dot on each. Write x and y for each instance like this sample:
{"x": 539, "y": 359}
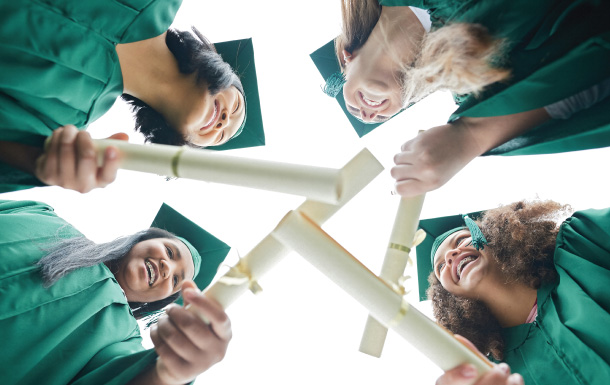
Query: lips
{"x": 210, "y": 123}
{"x": 153, "y": 272}
{"x": 370, "y": 102}
{"x": 463, "y": 263}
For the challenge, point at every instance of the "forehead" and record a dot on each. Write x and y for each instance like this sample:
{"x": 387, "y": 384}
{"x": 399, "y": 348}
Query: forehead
{"x": 187, "y": 258}
{"x": 448, "y": 243}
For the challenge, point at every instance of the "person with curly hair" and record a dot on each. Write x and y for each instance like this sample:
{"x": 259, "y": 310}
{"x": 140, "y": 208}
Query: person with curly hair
{"x": 70, "y": 306}
{"x": 65, "y": 64}
{"x": 524, "y": 288}
{"x": 529, "y": 77}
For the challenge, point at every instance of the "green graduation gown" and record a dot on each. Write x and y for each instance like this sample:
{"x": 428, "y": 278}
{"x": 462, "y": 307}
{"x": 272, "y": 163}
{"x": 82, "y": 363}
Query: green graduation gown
{"x": 569, "y": 342}
{"x": 80, "y": 330}
{"x": 60, "y": 65}
{"x": 555, "y": 49}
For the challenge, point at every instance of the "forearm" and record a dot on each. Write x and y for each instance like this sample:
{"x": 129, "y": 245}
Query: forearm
{"x": 20, "y": 156}
{"x": 490, "y": 132}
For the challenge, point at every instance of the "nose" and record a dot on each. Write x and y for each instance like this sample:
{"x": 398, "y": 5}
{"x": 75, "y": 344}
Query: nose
{"x": 167, "y": 268}
{"x": 223, "y": 120}
{"x": 450, "y": 256}
{"x": 367, "y": 116}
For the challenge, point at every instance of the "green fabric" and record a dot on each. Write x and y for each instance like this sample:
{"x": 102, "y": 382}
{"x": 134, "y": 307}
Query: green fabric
{"x": 555, "y": 48}
{"x": 194, "y": 254}
{"x": 80, "y": 330}
{"x": 209, "y": 250}
{"x": 568, "y": 343}
{"x": 63, "y": 66}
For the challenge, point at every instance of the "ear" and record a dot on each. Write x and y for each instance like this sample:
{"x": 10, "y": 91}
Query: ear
{"x": 347, "y": 56}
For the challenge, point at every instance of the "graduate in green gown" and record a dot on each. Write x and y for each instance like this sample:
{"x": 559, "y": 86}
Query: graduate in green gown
{"x": 525, "y": 288}
{"x": 530, "y": 77}
{"x": 69, "y": 306}
{"x": 65, "y": 64}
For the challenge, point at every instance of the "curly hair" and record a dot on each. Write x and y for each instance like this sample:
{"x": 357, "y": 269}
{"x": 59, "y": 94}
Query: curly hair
{"x": 460, "y": 57}
{"x": 521, "y": 238}
{"x": 194, "y": 54}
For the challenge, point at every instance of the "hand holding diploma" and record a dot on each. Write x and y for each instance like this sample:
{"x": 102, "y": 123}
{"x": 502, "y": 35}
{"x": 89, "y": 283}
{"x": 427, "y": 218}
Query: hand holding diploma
{"x": 464, "y": 374}
{"x": 69, "y": 160}
{"x": 185, "y": 343}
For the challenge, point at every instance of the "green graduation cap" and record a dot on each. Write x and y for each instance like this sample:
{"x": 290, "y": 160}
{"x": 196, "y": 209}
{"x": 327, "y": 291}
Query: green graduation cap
{"x": 240, "y": 55}
{"x": 206, "y": 249}
{"x": 326, "y": 61}
{"x": 434, "y": 228}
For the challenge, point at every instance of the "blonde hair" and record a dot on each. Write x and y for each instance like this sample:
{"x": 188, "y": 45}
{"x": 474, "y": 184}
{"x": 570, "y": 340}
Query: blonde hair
{"x": 457, "y": 57}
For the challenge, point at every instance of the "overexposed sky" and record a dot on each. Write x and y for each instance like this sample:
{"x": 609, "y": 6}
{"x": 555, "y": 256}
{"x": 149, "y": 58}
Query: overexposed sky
{"x": 302, "y": 329}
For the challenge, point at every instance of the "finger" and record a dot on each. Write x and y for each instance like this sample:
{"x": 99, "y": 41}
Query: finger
{"x": 66, "y": 164}
{"x": 405, "y": 157}
{"x": 219, "y": 321}
{"x": 515, "y": 379}
{"x": 196, "y": 330}
{"x": 404, "y": 172}
{"x": 86, "y": 163}
{"x": 119, "y": 136}
{"x": 107, "y": 173}
{"x": 170, "y": 332}
{"x": 463, "y": 374}
{"x": 46, "y": 165}
{"x": 411, "y": 187}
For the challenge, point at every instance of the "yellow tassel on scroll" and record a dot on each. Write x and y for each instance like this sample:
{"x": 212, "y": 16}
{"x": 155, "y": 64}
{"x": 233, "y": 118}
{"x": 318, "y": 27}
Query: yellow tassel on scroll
{"x": 298, "y": 232}
{"x": 394, "y": 264}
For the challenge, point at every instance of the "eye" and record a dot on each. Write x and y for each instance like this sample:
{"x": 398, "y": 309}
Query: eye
{"x": 440, "y": 267}
{"x": 175, "y": 281}
{"x": 238, "y": 104}
{"x": 461, "y": 239}
{"x": 170, "y": 252}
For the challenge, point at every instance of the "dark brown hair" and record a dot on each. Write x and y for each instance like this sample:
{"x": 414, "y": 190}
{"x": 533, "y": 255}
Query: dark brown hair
{"x": 521, "y": 239}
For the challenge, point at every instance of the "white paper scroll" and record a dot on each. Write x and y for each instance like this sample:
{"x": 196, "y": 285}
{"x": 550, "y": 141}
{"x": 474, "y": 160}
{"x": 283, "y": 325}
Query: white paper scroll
{"x": 394, "y": 264}
{"x": 305, "y": 237}
{"x": 315, "y": 183}
{"x": 359, "y": 172}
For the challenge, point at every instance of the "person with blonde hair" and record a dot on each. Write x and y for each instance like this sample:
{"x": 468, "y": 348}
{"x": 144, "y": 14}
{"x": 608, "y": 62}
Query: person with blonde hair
{"x": 526, "y": 286}
{"x": 529, "y": 77}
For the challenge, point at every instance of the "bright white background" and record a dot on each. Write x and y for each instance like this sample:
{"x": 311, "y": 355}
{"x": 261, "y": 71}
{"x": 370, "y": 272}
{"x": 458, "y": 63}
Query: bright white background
{"x": 302, "y": 329}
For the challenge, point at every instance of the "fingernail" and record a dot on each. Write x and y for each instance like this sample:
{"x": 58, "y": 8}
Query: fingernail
{"x": 468, "y": 371}
{"x": 504, "y": 368}
{"x": 515, "y": 379}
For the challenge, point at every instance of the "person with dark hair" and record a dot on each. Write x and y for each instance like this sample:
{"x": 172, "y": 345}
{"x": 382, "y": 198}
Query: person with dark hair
{"x": 70, "y": 306}
{"x": 524, "y": 288}
{"x": 66, "y": 63}
{"x": 529, "y": 78}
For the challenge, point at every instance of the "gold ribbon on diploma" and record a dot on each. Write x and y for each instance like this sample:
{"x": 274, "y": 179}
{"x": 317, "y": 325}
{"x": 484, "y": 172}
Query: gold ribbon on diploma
{"x": 175, "y": 160}
{"x": 240, "y": 274}
{"x": 399, "y": 287}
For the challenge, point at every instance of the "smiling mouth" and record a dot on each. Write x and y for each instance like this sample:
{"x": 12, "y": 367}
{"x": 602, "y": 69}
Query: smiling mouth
{"x": 463, "y": 264}
{"x": 370, "y": 102}
{"x": 152, "y": 275}
{"x": 212, "y": 120}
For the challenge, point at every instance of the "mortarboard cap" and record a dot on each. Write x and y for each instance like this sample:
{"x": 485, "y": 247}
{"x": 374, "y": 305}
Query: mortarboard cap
{"x": 209, "y": 250}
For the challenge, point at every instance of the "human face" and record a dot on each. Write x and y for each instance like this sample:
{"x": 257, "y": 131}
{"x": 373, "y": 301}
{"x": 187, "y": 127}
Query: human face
{"x": 462, "y": 269}
{"x": 213, "y": 120}
{"x": 155, "y": 269}
{"x": 372, "y": 92}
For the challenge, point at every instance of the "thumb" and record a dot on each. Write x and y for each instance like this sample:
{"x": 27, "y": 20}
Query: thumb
{"x": 119, "y": 136}
{"x": 188, "y": 285}
{"x": 460, "y": 375}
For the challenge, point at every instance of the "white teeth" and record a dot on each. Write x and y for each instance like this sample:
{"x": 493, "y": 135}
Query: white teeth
{"x": 463, "y": 264}
{"x": 151, "y": 273}
{"x": 213, "y": 115}
{"x": 370, "y": 102}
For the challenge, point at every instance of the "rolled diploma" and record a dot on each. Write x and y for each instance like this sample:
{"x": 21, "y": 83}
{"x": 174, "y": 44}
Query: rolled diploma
{"x": 315, "y": 183}
{"x": 394, "y": 264}
{"x": 308, "y": 239}
{"x": 357, "y": 173}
